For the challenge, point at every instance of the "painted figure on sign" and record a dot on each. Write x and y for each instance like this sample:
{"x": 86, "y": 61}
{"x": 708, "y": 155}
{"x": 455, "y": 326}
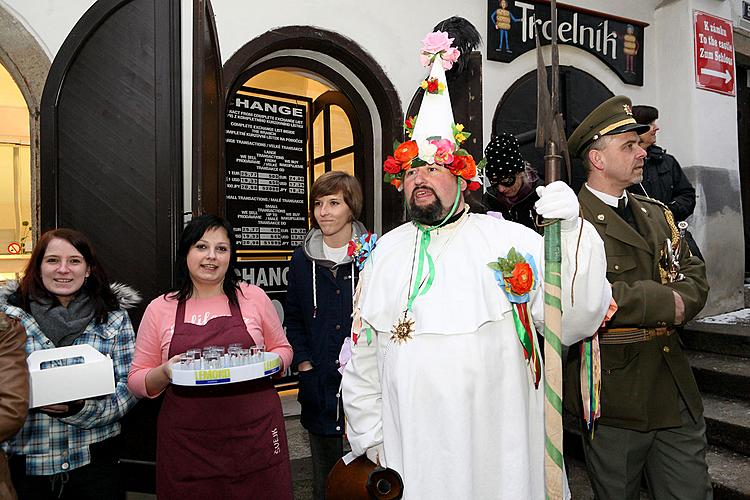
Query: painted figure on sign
{"x": 630, "y": 46}
{"x": 502, "y": 18}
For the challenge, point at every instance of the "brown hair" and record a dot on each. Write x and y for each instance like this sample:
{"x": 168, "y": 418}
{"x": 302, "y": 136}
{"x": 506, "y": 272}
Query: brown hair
{"x": 334, "y": 182}
{"x": 96, "y": 284}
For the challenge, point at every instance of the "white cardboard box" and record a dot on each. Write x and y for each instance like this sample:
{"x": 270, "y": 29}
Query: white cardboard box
{"x": 59, "y": 384}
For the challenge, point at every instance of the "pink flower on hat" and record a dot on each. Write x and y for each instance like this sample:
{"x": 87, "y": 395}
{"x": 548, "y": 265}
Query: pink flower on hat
{"x": 438, "y": 44}
{"x": 449, "y": 57}
{"x": 444, "y": 152}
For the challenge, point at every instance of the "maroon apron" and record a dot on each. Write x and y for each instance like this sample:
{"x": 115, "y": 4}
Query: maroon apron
{"x": 222, "y": 441}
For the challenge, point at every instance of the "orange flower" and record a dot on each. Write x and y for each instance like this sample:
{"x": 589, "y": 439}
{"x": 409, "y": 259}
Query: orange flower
{"x": 406, "y": 152}
{"x": 471, "y": 167}
{"x": 457, "y": 165}
{"x": 463, "y": 166}
{"x": 521, "y": 280}
{"x": 396, "y": 183}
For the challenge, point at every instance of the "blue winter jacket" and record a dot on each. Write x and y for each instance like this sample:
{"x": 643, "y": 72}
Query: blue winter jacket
{"x": 317, "y": 335}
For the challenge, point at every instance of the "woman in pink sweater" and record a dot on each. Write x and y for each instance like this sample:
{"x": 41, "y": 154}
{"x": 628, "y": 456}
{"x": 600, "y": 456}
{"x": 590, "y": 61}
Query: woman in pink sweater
{"x": 221, "y": 441}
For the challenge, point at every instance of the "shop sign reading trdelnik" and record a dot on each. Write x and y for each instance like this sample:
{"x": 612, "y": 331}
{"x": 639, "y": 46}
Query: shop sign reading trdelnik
{"x": 266, "y": 185}
{"x": 618, "y": 42}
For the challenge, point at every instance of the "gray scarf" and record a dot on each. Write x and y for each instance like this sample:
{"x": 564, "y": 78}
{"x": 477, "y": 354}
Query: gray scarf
{"x": 63, "y": 325}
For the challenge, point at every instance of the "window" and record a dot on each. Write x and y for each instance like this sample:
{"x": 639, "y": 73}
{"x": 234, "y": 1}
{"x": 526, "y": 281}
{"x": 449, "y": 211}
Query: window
{"x": 333, "y": 139}
{"x": 15, "y": 179}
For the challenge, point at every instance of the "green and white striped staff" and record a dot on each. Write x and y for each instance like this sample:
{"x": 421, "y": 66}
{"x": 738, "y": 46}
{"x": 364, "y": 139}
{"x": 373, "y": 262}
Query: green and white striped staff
{"x": 550, "y": 135}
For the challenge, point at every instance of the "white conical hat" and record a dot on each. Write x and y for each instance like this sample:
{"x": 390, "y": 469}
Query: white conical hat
{"x": 435, "y": 122}
{"x": 435, "y": 118}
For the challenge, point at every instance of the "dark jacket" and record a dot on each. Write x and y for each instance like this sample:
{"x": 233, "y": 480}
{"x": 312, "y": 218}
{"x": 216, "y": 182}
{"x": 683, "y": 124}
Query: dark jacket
{"x": 663, "y": 180}
{"x": 317, "y": 335}
{"x": 14, "y": 391}
{"x": 520, "y": 210}
{"x": 641, "y": 382}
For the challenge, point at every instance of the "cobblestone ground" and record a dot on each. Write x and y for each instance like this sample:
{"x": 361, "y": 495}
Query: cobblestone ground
{"x": 299, "y": 453}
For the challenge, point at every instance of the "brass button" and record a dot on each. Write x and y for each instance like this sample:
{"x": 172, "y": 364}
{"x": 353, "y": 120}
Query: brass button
{"x": 338, "y": 327}
{"x": 617, "y": 268}
{"x": 338, "y": 292}
{"x": 644, "y": 210}
{"x": 666, "y": 348}
{"x": 600, "y": 217}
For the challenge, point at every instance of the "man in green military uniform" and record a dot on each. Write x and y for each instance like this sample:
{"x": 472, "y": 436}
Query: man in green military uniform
{"x": 651, "y": 412}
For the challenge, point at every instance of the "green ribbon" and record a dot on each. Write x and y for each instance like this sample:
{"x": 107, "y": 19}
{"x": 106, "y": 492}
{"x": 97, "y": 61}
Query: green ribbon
{"x": 523, "y": 335}
{"x": 424, "y": 255}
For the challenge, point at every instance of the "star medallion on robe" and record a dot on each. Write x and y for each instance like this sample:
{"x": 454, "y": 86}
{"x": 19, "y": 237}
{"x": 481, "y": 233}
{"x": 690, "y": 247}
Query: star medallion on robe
{"x": 403, "y": 330}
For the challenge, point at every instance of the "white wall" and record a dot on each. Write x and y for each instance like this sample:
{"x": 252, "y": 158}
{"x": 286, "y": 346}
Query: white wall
{"x": 49, "y": 21}
{"x": 698, "y": 127}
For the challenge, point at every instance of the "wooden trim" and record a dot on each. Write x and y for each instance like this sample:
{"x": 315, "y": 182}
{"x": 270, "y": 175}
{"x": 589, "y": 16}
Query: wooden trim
{"x": 167, "y": 55}
{"x": 208, "y": 169}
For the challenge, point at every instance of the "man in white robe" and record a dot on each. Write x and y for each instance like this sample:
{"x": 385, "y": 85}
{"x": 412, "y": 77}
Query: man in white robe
{"x": 453, "y": 407}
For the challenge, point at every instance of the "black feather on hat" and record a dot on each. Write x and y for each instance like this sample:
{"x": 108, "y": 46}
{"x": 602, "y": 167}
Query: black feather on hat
{"x": 503, "y": 158}
{"x": 465, "y": 36}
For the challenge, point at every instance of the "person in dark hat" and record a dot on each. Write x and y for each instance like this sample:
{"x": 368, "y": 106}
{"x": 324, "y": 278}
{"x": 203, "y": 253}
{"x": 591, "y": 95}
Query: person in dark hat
{"x": 641, "y": 410}
{"x": 663, "y": 178}
{"x": 512, "y": 182}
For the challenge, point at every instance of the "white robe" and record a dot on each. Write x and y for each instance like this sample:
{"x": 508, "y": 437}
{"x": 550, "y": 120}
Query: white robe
{"x": 455, "y": 407}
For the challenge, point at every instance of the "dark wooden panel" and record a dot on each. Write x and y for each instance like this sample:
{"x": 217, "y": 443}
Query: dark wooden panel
{"x": 111, "y": 154}
{"x": 106, "y": 145}
{"x": 111, "y": 159}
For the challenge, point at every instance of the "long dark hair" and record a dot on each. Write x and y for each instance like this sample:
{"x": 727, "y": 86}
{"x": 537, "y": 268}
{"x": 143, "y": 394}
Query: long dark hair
{"x": 96, "y": 284}
{"x": 194, "y": 231}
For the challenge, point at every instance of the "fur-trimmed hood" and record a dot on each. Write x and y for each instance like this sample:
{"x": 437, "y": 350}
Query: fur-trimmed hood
{"x": 127, "y": 297}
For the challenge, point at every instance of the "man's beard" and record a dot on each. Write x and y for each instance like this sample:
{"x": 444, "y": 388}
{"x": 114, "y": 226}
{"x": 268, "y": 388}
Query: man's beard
{"x": 430, "y": 214}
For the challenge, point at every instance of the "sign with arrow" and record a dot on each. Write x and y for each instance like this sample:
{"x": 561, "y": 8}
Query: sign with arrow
{"x": 714, "y": 53}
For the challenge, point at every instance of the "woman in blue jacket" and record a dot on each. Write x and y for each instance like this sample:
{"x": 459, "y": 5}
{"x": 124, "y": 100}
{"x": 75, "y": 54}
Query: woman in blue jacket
{"x": 321, "y": 283}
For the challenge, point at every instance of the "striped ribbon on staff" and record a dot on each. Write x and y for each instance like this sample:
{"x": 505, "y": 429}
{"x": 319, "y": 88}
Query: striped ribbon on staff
{"x": 553, "y": 432}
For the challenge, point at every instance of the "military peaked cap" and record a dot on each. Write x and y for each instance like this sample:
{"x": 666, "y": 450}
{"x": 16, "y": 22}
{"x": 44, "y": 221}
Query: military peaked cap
{"x": 613, "y": 116}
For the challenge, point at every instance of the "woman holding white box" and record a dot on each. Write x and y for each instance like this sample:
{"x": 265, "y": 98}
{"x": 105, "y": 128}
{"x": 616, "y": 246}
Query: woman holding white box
{"x": 66, "y": 450}
{"x": 222, "y": 440}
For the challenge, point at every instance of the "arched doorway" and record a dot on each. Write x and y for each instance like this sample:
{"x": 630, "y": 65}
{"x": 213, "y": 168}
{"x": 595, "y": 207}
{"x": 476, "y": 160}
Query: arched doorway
{"x": 23, "y": 69}
{"x": 580, "y": 93}
{"x": 354, "y": 74}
